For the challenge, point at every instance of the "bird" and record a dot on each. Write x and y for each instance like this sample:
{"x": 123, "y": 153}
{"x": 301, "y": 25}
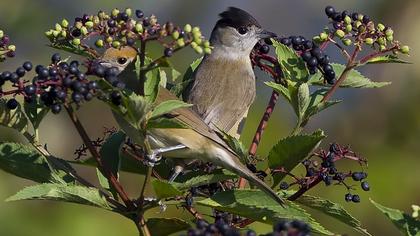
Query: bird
{"x": 198, "y": 141}
{"x": 223, "y": 85}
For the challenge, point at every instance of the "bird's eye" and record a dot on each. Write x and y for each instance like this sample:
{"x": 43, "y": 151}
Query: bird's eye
{"x": 242, "y": 30}
{"x": 122, "y": 60}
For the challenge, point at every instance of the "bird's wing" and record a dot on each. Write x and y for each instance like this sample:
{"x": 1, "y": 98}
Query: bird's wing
{"x": 192, "y": 119}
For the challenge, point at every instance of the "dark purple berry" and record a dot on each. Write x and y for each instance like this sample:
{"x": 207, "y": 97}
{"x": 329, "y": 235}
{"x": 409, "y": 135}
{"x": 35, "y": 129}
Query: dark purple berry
{"x": 123, "y": 16}
{"x": 330, "y": 11}
{"x": 12, "y": 104}
{"x": 139, "y": 13}
{"x": 286, "y": 41}
{"x": 312, "y": 70}
{"x": 11, "y": 54}
{"x": 355, "y": 198}
{"x": 337, "y": 16}
{"x": 113, "y": 71}
{"x": 366, "y": 19}
{"x": 111, "y": 23}
{"x": 328, "y": 180}
{"x": 130, "y": 41}
{"x": 77, "y": 97}
{"x": 284, "y": 185}
{"x": 151, "y": 31}
{"x": 67, "y": 81}
{"x": 306, "y": 56}
{"x": 76, "y": 33}
{"x": 251, "y": 167}
{"x": 53, "y": 72}
{"x": 30, "y": 90}
{"x": 43, "y": 73}
{"x": 355, "y": 16}
{"x": 14, "y": 77}
{"x": 264, "y": 49}
{"x": 344, "y": 14}
{"x": 201, "y": 224}
{"x": 168, "y": 52}
{"x": 312, "y": 62}
{"x": 146, "y": 22}
{"x": 27, "y": 66}
{"x": 73, "y": 70}
{"x": 310, "y": 172}
{"x": 357, "y": 176}
{"x": 64, "y": 65}
{"x": 337, "y": 25}
{"x": 81, "y": 76}
{"x": 365, "y": 186}
{"x": 296, "y": 40}
{"x": 55, "y": 58}
{"x": 324, "y": 60}
{"x": 93, "y": 85}
{"x": 5, "y": 75}
{"x": 348, "y": 197}
{"x": 118, "y": 84}
{"x": 20, "y": 71}
{"x": 56, "y": 108}
{"x": 329, "y": 75}
{"x": 328, "y": 67}
{"x": 88, "y": 96}
{"x": 251, "y": 233}
{"x": 61, "y": 95}
{"x": 332, "y": 171}
{"x": 308, "y": 44}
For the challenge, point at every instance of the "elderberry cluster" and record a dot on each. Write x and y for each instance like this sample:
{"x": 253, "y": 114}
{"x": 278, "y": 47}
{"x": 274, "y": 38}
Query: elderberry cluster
{"x": 6, "y": 49}
{"x": 313, "y": 56}
{"x": 125, "y": 27}
{"x": 321, "y": 167}
{"x": 355, "y": 28}
{"x": 57, "y": 84}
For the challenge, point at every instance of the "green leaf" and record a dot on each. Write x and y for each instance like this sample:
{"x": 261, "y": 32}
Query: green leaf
{"x": 163, "y": 189}
{"x": 68, "y": 47}
{"x": 331, "y": 209}
{"x": 35, "y": 112}
{"x": 166, "y": 226}
{"x": 354, "y": 79}
{"x": 103, "y": 181}
{"x": 290, "y": 151}
{"x": 285, "y": 92}
{"x": 186, "y": 181}
{"x": 404, "y": 222}
{"x": 63, "y": 193}
{"x": 165, "y": 123}
{"x": 292, "y": 65}
{"x": 303, "y": 99}
{"x": 316, "y": 105}
{"x": 257, "y": 206}
{"x": 26, "y": 162}
{"x": 179, "y": 88}
{"x": 168, "y": 106}
{"x": 15, "y": 119}
{"x": 236, "y": 145}
{"x": 174, "y": 75}
{"x": 386, "y": 59}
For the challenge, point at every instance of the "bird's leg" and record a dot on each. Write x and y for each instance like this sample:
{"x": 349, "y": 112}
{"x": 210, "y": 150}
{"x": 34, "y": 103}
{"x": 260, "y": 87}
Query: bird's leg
{"x": 156, "y": 154}
{"x": 176, "y": 171}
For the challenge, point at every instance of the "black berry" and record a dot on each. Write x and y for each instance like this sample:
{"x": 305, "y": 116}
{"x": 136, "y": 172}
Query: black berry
{"x": 348, "y": 197}
{"x": 168, "y": 52}
{"x": 55, "y": 58}
{"x": 20, "y": 71}
{"x": 12, "y": 104}
{"x": 56, "y": 108}
{"x": 284, "y": 185}
{"x": 355, "y": 198}
{"x": 27, "y": 66}
{"x": 139, "y": 13}
{"x": 30, "y": 90}
{"x": 330, "y": 11}
{"x": 365, "y": 186}
{"x": 264, "y": 49}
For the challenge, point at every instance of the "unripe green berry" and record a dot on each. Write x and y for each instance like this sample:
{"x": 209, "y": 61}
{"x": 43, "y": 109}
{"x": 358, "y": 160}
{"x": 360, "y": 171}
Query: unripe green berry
{"x": 194, "y": 44}
{"x": 206, "y": 44}
{"x": 187, "y": 28}
{"x": 78, "y": 25}
{"x": 96, "y": 20}
{"x": 115, "y": 12}
{"x": 48, "y": 33}
{"x": 84, "y": 30}
{"x": 381, "y": 41}
{"x": 153, "y": 20}
{"x": 369, "y": 41}
{"x": 89, "y": 24}
{"x": 197, "y": 34}
{"x": 64, "y": 23}
{"x": 360, "y": 17}
{"x": 390, "y": 38}
{"x": 11, "y": 48}
{"x": 317, "y": 39}
{"x": 109, "y": 39}
{"x": 58, "y": 27}
{"x": 55, "y": 33}
{"x": 139, "y": 28}
{"x": 99, "y": 43}
{"x": 361, "y": 29}
{"x": 381, "y": 27}
{"x": 116, "y": 44}
{"x": 63, "y": 33}
{"x": 198, "y": 49}
{"x": 357, "y": 24}
{"x": 1, "y": 34}
{"x": 323, "y": 36}
{"x": 405, "y": 49}
{"x": 349, "y": 28}
{"x": 207, "y": 50}
{"x": 128, "y": 11}
{"x": 175, "y": 34}
{"x": 347, "y": 42}
{"x": 76, "y": 41}
{"x": 347, "y": 19}
{"x": 389, "y": 32}
{"x": 199, "y": 41}
{"x": 340, "y": 33}
{"x": 196, "y": 29}
{"x": 382, "y": 47}
{"x": 180, "y": 42}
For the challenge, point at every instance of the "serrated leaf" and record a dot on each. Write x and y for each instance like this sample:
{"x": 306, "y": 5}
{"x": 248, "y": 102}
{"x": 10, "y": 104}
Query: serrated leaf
{"x": 329, "y": 208}
{"x": 286, "y": 92}
{"x": 27, "y": 163}
{"x": 163, "y": 189}
{"x": 292, "y": 65}
{"x": 103, "y": 181}
{"x": 68, "y": 47}
{"x": 179, "y": 88}
{"x": 174, "y": 75}
{"x": 316, "y": 105}
{"x": 168, "y": 106}
{"x": 35, "y": 112}
{"x": 186, "y": 182}
{"x": 165, "y": 123}
{"x": 257, "y": 206}
{"x": 303, "y": 99}
{"x": 404, "y": 222}
{"x": 387, "y": 59}
{"x": 15, "y": 119}
{"x": 354, "y": 79}
{"x": 166, "y": 226}
{"x": 63, "y": 193}
{"x": 290, "y": 151}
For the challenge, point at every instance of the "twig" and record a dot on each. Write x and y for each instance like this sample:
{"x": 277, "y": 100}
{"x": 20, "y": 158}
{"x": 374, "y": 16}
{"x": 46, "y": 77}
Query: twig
{"x": 111, "y": 177}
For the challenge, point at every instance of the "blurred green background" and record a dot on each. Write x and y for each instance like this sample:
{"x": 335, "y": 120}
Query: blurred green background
{"x": 382, "y": 125}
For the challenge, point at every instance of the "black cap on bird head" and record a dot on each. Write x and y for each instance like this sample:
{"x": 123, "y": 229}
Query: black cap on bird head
{"x": 235, "y": 17}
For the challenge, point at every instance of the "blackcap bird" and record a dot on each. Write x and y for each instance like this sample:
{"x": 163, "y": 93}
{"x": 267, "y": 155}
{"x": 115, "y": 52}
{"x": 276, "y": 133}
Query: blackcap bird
{"x": 199, "y": 141}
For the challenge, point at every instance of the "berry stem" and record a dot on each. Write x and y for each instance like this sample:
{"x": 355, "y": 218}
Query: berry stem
{"x": 304, "y": 189}
{"x": 344, "y": 51}
{"x": 86, "y": 140}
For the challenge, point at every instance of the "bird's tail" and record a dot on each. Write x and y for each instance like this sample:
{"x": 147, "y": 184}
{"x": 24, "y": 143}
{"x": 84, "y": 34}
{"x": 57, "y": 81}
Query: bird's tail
{"x": 244, "y": 172}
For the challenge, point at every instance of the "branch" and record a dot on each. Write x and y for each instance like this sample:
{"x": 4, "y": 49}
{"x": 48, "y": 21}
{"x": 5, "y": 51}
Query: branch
{"x": 86, "y": 140}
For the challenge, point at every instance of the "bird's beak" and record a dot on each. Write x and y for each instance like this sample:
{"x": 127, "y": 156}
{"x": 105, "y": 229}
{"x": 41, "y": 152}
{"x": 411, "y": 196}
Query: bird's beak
{"x": 266, "y": 34}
